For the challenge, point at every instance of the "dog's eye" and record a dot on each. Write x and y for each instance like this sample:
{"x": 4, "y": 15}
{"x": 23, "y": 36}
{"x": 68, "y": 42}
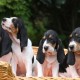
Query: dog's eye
{"x": 14, "y": 20}
{"x": 78, "y": 39}
{"x": 52, "y": 41}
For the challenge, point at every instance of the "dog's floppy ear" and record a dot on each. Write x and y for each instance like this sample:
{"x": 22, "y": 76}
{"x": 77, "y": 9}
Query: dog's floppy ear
{"x": 40, "y": 55}
{"x": 0, "y": 35}
{"x": 5, "y": 43}
{"x": 70, "y": 58}
{"x": 0, "y": 45}
{"x": 60, "y": 52}
{"x": 22, "y": 34}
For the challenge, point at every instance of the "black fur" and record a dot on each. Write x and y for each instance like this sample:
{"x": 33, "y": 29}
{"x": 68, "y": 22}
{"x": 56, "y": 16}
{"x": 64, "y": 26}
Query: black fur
{"x": 40, "y": 56}
{"x": 5, "y": 43}
{"x": 64, "y": 65}
{"x": 22, "y": 34}
{"x": 60, "y": 52}
{"x": 71, "y": 58}
{"x": 33, "y": 59}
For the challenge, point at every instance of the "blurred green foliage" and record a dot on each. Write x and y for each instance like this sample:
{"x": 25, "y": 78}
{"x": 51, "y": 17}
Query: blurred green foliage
{"x": 21, "y": 8}
{"x": 40, "y": 15}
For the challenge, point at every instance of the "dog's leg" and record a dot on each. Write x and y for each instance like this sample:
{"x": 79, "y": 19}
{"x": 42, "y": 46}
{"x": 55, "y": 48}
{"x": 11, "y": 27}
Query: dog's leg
{"x": 55, "y": 70}
{"x": 73, "y": 71}
{"x": 14, "y": 64}
{"x": 39, "y": 70}
{"x": 34, "y": 67}
{"x": 28, "y": 68}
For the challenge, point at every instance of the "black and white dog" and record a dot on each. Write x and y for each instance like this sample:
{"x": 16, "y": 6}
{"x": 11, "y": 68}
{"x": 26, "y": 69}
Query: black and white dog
{"x": 73, "y": 56}
{"x": 21, "y": 46}
{"x": 50, "y": 54}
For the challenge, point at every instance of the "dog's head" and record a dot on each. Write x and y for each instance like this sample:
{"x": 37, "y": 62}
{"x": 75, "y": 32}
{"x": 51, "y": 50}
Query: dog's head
{"x": 74, "y": 46}
{"x": 50, "y": 45}
{"x": 15, "y": 26}
{"x": 74, "y": 43}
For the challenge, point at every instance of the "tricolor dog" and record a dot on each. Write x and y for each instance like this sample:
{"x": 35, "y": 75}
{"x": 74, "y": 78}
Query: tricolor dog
{"x": 73, "y": 56}
{"x": 22, "y": 52}
{"x": 50, "y": 54}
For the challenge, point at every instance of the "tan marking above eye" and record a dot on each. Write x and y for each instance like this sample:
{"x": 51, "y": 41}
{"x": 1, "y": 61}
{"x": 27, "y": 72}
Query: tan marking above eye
{"x": 53, "y": 44}
{"x": 76, "y": 34}
{"x": 50, "y": 36}
{"x": 70, "y": 35}
{"x": 44, "y": 37}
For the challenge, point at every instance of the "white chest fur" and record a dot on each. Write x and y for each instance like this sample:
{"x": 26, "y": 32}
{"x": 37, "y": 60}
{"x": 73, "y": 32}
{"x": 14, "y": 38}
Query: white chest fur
{"x": 50, "y": 66}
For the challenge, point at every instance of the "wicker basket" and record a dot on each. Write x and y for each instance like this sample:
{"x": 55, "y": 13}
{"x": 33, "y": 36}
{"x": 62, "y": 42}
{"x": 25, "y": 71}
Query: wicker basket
{"x": 35, "y": 49}
{"x": 6, "y": 72}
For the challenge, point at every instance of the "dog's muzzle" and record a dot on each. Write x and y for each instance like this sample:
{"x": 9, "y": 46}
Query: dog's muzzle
{"x": 4, "y": 19}
{"x": 71, "y": 47}
{"x": 46, "y": 48}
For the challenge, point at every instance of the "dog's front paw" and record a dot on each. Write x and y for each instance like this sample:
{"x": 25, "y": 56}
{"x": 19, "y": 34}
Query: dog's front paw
{"x": 40, "y": 75}
{"x": 75, "y": 76}
{"x": 55, "y": 76}
{"x": 28, "y": 75}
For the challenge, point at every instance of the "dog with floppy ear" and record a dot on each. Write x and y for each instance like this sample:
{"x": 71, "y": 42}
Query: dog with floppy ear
{"x": 50, "y": 54}
{"x": 5, "y": 46}
{"x": 73, "y": 55}
{"x": 21, "y": 46}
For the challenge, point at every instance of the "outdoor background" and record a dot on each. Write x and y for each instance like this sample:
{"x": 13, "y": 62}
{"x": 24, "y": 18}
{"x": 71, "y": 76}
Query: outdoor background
{"x": 63, "y": 16}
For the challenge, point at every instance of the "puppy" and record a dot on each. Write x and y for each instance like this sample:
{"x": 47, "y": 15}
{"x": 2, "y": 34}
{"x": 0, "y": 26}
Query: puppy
{"x": 50, "y": 54}
{"x": 73, "y": 56}
{"x": 5, "y": 46}
{"x": 21, "y": 46}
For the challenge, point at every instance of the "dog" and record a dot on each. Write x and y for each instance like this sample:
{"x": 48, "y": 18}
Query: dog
{"x": 73, "y": 55}
{"x": 50, "y": 54}
{"x": 21, "y": 46}
{"x": 5, "y": 46}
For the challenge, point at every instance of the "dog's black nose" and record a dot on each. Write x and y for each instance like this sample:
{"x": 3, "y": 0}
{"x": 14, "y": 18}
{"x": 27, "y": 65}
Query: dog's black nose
{"x": 4, "y": 19}
{"x": 71, "y": 47}
{"x": 46, "y": 48}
